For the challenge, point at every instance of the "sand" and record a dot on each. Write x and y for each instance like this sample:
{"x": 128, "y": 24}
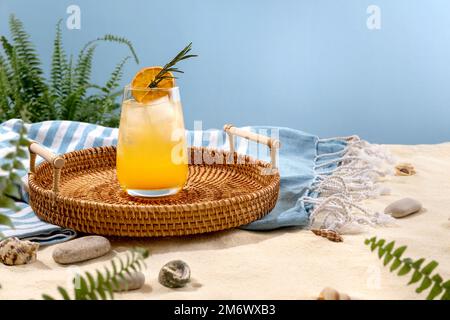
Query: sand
{"x": 286, "y": 263}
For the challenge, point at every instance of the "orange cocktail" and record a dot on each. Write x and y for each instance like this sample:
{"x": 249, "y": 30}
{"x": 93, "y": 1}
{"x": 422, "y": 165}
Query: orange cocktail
{"x": 152, "y": 151}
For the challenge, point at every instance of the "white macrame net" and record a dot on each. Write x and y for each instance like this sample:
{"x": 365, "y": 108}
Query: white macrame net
{"x": 360, "y": 170}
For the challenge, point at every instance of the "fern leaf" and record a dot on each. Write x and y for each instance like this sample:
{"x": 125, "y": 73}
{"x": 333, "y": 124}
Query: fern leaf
{"x": 446, "y": 295}
{"x": 107, "y": 274}
{"x": 415, "y": 277}
{"x": 28, "y": 60}
{"x": 14, "y": 65}
{"x": 65, "y": 94}
{"x": 5, "y": 89}
{"x": 101, "y": 292}
{"x": 63, "y": 293}
{"x": 83, "y": 68}
{"x": 82, "y": 292}
{"x": 377, "y": 244}
{"x": 115, "y": 78}
{"x": 399, "y": 252}
{"x": 71, "y": 104}
{"x": 68, "y": 80}
{"x": 426, "y": 283}
{"x": 25, "y": 48}
{"x": 387, "y": 258}
{"x": 115, "y": 282}
{"x": 59, "y": 62}
{"x": 418, "y": 263}
{"x": 117, "y": 39}
{"x": 430, "y": 267}
{"x": 5, "y": 220}
{"x": 109, "y": 290}
{"x": 4, "y": 64}
{"x": 434, "y": 292}
{"x": 91, "y": 280}
{"x": 437, "y": 284}
{"x": 446, "y": 284}
{"x": 389, "y": 247}
{"x": 28, "y": 88}
{"x": 381, "y": 252}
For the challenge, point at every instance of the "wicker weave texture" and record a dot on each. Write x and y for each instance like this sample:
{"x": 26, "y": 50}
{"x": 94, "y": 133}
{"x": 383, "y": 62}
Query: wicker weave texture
{"x": 215, "y": 197}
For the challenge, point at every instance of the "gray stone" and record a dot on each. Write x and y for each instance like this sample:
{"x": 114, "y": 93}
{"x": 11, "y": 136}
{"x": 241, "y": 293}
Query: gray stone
{"x": 403, "y": 207}
{"x": 174, "y": 274}
{"x": 132, "y": 281}
{"x": 81, "y": 249}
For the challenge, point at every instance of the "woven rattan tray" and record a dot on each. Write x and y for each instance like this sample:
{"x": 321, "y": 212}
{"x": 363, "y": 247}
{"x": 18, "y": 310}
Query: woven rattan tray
{"x": 79, "y": 190}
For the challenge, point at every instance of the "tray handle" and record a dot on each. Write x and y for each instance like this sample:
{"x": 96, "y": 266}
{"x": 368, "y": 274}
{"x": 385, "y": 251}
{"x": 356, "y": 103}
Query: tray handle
{"x": 273, "y": 144}
{"x": 56, "y": 161}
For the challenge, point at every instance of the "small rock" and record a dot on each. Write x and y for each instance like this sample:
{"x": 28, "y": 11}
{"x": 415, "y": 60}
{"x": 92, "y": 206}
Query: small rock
{"x": 174, "y": 274}
{"x": 332, "y": 294}
{"x": 403, "y": 207}
{"x": 15, "y": 252}
{"x": 81, "y": 249}
{"x": 132, "y": 281}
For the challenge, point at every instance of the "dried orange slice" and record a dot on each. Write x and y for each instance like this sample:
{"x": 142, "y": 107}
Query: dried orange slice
{"x": 142, "y": 80}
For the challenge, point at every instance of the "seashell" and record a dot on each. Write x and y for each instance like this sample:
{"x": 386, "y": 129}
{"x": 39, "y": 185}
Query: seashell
{"x": 332, "y": 294}
{"x": 405, "y": 169}
{"x": 15, "y": 252}
{"x": 328, "y": 234}
{"x": 174, "y": 274}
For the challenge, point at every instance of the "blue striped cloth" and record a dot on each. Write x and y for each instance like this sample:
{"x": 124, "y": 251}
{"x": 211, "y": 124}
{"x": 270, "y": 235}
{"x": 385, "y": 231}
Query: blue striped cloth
{"x": 297, "y": 160}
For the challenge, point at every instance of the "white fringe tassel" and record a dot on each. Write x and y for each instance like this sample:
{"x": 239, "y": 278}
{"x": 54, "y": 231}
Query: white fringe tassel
{"x": 361, "y": 168}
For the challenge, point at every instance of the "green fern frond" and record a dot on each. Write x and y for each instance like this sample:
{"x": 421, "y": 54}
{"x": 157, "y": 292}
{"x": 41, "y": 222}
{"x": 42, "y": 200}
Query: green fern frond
{"x": 5, "y": 67}
{"x": 72, "y": 104}
{"x": 83, "y": 68}
{"x": 65, "y": 95}
{"x": 9, "y": 183}
{"x": 106, "y": 103}
{"x": 16, "y": 93}
{"x": 78, "y": 82}
{"x": 68, "y": 79}
{"x": 25, "y": 48}
{"x": 27, "y": 91}
{"x": 114, "y": 38}
{"x": 27, "y": 55}
{"x": 115, "y": 78}
{"x": 13, "y": 61}
{"x": 5, "y": 90}
{"x": 59, "y": 63}
{"x": 434, "y": 282}
{"x": 102, "y": 284}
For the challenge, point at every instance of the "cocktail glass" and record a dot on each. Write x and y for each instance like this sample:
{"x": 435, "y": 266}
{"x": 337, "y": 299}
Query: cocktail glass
{"x": 151, "y": 150}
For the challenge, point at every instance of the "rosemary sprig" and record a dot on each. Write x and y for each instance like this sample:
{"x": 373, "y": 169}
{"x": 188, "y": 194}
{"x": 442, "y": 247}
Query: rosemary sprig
{"x": 170, "y": 66}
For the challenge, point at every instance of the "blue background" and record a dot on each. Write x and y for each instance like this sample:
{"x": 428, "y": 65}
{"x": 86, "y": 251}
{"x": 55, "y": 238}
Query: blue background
{"x": 312, "y": 65}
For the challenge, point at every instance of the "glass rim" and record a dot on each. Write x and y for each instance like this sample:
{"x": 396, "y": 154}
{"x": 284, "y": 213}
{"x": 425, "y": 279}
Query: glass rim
{"x": 130, "y": 88}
